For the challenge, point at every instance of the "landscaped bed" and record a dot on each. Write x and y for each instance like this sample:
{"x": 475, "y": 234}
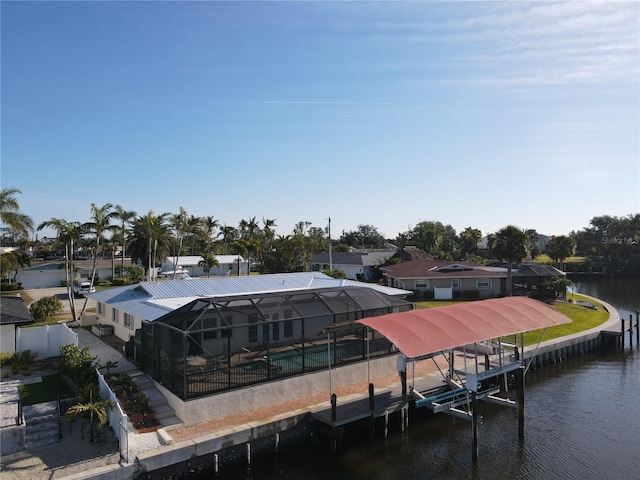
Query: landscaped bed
{"x": 134, "y": 403}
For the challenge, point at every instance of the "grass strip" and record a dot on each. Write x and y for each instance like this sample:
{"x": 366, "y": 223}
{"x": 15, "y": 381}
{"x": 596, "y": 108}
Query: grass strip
{"x": 44, "y": 391}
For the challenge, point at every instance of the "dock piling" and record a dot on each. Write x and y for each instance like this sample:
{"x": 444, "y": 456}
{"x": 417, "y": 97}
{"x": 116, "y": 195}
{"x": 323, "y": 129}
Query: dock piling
{"x": 371, "y": 398}
{"x": 520, "y": 388}
{"x": 474, "y": 426}
{"x": 334, "y": 407}
{"x": 386, "y": 424}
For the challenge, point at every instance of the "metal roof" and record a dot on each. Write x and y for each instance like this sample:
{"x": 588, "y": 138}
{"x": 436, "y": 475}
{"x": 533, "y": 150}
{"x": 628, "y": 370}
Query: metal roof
{"x": 151, "y": 300}
{"x": 421, "y": 332}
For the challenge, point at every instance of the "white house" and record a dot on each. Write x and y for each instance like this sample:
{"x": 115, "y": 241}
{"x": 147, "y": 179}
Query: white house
{"x": 227, "y": 265}
{"x": 125, "y": 308}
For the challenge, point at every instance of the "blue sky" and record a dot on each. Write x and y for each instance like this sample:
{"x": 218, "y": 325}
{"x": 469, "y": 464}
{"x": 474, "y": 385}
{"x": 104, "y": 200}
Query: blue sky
{"x": 382, "y": 113}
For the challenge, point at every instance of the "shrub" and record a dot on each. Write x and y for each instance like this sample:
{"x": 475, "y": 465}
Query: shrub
{"x": 44, "y": 308}
{"x": 471, "y": 294}
{"x": 428, "y": 295}
{"x": 77, "y": 364}
{"x": 19, "y": 362}
{"x": 10, "y": 287}
{"x": 6, "y": 358}
{"x": 120, "y": 281}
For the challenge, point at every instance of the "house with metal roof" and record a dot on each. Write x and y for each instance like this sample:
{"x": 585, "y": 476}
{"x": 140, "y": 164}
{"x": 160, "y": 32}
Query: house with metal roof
{"x": 126, "y": 308}
{"x": 191, "y": 265}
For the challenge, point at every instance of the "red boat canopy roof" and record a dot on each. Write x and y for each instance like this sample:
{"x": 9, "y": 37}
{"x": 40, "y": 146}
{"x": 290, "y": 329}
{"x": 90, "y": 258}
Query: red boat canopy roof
{"x": 421, "y": 332}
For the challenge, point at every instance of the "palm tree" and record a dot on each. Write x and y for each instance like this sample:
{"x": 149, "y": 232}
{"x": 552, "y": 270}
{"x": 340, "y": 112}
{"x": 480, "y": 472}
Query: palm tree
{"x": 196, "y": 230}
{"x": 10, "y": 213}
{"x": 150, "y": 240}
{"x": 208, "y": 261}
{"x": 511, "y": 246}
{"x": 100, "y": 223}
{"x": 228, "y": 235}
{"x": 209, "y": 224}
{"x": 180, "y": 223}
{"x": 69, "y": 233}
{"x": 125, "y": 217}
{"x": 560, "y": 247}
{"x": 95, "y": 408}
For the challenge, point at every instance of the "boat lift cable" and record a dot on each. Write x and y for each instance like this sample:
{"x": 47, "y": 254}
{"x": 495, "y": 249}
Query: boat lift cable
{"x": 533, "y": 355}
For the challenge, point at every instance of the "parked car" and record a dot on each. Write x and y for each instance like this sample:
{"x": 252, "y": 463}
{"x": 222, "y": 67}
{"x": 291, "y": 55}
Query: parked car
{"x": 82, "y": 288}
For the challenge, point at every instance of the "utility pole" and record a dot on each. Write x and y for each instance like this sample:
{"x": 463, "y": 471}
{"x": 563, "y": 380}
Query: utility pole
{"x": 330, "y": 259}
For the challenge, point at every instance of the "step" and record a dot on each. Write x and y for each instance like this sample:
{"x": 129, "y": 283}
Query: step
{"x": 34, "y": 421}
{"x": 39, "y": 441}
{"x": 163, "y": 411}
{"x": 168, "y": 421}
{"x": 155, "y": 398}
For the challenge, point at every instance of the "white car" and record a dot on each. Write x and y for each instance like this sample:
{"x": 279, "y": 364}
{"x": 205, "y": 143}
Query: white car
{"x": 82, "y": 288}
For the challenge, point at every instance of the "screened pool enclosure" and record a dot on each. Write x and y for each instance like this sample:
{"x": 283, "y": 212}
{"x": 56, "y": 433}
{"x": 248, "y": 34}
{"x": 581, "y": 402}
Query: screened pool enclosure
{"x": 216, "y": 344}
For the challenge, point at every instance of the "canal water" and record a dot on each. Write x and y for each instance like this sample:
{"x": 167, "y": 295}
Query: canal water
{"x": 582, "y": 421}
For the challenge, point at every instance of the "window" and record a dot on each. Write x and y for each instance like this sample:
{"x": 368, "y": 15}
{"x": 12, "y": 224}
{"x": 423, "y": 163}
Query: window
{"x": 253, "y": 330}
{"x": 100, "y": 308}
{"x": 275, "y": 327}
{"x": 114, "y": 315}
{"x": 128, "y": 321}
{"x": 422, "y": 283}
{"x": 227, "y": 332}
{"x": 211, "y": 323}
{"x": 483, "y": 283}
{"x": 288, "y": 328}
{"x": 455, "y": 283}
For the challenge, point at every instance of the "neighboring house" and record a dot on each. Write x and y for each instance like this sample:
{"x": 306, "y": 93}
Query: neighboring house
{"x": 13, "y": 314}
{"x": 227, "y": 265}
{"x": 52, "y": 274}
{"x": 451, "y": 279}
{"x": 409, "y": 253}
{"x": 42, "y": 275}
{"x": 446, "y": 279}
{"x": 126, "y": 308}
{"x": 361, "y": 265}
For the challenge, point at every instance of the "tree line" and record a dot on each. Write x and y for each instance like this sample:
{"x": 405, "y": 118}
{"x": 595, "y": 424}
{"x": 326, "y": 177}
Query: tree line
{"x": 150, "y": 238}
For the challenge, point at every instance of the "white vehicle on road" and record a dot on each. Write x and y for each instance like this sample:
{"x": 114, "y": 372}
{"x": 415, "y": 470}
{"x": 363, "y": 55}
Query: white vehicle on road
{"x": 82, "y": 288}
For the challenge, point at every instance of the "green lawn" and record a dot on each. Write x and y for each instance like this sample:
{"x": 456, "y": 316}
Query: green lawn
{"x": 44, "y": 391}
{"x": 582, "y": 318}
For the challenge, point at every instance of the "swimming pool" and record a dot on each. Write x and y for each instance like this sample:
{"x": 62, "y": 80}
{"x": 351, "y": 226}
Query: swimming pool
{"x": 315, "y": 356}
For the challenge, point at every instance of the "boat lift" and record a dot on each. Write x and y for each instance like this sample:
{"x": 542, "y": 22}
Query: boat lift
{"x": 475, "y": 330}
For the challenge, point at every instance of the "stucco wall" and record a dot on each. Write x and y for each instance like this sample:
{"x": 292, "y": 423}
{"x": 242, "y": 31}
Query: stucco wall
{"x": 258, "y": 396}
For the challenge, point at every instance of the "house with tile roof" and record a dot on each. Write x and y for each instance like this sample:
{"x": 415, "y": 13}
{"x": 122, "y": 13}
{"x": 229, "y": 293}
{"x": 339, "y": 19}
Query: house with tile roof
{"x": 456, "y": 279}
{"x": 446, "y": 279}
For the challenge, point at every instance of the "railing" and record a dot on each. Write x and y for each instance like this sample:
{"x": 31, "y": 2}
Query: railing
{"x": 59, "y": 407}
{"x": 273, "y": 366}
{"x": 19, "y": 418}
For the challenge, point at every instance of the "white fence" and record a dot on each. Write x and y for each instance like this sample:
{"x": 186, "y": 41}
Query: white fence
{"x": 45, "y": 340}
{"x": 115, "y": 414}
